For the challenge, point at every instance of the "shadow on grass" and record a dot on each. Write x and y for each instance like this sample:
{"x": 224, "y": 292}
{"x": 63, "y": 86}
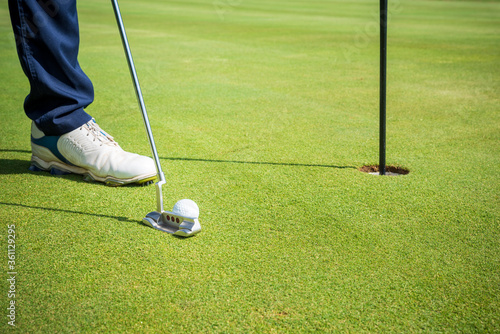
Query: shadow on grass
{"x": 260, "y": 163}
{"x": 16, "y": 151}
{"x": 122, "y": 219}
{"x": 16, "y": 166}
{"x": 7, "y": 162}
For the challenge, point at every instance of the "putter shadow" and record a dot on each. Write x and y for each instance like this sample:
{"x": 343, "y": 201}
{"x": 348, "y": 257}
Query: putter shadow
{"x": 259, "y": 163}
{"x": 122, "y": 219}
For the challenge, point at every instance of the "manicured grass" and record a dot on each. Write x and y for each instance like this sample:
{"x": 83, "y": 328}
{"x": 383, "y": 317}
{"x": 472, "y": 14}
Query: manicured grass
{"x": 262, "y": 112}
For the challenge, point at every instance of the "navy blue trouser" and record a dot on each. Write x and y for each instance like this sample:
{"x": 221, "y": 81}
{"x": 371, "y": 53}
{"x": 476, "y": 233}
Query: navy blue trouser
{"x": 47, "y": 39}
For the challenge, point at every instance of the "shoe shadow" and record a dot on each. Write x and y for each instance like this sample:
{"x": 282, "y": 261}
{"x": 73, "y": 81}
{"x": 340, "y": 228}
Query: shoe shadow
{"x": 17, "y": 166}
{"x": 14, "y": 166}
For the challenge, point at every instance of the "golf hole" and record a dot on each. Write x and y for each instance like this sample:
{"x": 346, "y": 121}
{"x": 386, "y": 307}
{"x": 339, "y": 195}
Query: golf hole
{"x": 389, "y": 170}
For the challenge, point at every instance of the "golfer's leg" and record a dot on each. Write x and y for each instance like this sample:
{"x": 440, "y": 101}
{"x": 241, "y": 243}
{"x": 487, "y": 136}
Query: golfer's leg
{"x": 47, "y": 38}
{"x": 65, "y": 139}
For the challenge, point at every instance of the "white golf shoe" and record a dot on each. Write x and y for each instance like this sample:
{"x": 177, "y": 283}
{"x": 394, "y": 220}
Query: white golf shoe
{"x": 91, "y": 152}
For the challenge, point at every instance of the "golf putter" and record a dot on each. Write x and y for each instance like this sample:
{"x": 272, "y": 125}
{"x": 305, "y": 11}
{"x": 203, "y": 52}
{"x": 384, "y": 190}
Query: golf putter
{"x": 179, "y": 222}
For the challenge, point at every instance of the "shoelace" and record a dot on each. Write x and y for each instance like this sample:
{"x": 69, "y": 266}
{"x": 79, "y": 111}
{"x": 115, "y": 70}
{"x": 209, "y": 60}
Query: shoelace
{"x": 99, "y": 134}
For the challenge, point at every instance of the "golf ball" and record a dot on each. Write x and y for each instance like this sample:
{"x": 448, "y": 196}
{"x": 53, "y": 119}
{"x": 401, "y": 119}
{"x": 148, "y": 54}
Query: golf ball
{"x": 186, "y": 208}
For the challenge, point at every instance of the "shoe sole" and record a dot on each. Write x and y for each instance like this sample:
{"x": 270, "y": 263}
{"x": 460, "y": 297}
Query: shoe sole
{"x": 60, "y": 168}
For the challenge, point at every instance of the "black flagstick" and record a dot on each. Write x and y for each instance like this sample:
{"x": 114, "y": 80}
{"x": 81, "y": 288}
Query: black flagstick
{"x": 383, "y": 83}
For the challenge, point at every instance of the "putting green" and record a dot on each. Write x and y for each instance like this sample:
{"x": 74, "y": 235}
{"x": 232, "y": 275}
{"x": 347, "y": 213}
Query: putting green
{"x": 262, "y": 112}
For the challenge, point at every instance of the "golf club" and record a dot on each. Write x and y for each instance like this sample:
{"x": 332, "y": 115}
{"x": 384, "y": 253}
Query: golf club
{"x": 183, "y": 220}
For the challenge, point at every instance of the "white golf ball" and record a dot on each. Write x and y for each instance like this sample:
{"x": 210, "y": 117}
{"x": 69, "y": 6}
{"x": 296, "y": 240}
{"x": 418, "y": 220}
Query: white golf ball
{"x": 186, "y": 208}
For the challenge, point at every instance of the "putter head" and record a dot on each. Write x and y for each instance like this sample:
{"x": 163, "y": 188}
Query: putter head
{"x": 172, "y": 223}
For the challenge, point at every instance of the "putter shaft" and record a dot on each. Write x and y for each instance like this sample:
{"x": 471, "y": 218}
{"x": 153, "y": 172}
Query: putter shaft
{"x": 164, "y": 221}
{"x": 138, "y": 92}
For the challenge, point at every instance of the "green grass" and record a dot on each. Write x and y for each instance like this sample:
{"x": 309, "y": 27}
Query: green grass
{"x": 262, "y": 111}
